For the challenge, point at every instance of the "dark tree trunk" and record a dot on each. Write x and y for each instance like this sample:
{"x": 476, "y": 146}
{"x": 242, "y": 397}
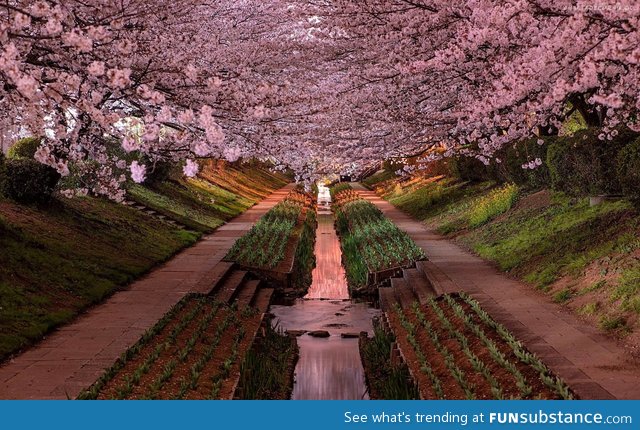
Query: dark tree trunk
{"x": 592, "y": 116}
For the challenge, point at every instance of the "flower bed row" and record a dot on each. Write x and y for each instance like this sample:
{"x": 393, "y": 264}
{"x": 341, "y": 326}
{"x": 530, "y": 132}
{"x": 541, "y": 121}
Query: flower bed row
{"x": 457, "y": 351}
{"x": 193, "y": 352}
{"x": 373, "y": 247}
{"x": 280, "y": 245}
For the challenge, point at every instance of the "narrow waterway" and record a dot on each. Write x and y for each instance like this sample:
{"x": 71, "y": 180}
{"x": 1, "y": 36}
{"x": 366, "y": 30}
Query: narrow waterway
{"x": 329, "y": 368}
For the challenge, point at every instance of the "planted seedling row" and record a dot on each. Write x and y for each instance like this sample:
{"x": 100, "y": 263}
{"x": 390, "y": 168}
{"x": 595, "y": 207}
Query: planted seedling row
{"x": 370, "y": 241}
{"x": 265, "y": 245}
{"x": 463, "y": 353}
{"x": 190, "y": 353}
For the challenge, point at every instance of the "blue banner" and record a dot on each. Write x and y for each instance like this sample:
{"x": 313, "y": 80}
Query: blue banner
{"x": 310, "y": 415}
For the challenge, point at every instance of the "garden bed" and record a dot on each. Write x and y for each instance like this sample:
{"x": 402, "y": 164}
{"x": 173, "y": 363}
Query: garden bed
{"x": 279, "y": 248}
{"x": 193, "y": 352}
{"x": 456, "y": 351}
{"x": 374, "y": 249}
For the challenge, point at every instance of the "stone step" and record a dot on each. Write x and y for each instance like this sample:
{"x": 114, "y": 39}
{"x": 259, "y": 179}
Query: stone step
{"x": 387, "y": 298}
{"x": 440, "y": 282}
{"x": 225, "y": 291}
{"x": 403, "y": 292}
{"x": 213, "y": 277}
{"x": 246, "y": 293}
{"x": 262, "y": 299}
{"x": 419, "y": 283}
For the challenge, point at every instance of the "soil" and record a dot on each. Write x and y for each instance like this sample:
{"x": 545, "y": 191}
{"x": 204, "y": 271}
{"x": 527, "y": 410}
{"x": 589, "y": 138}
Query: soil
{"x": 212, "y": 373}
{"x": 451, "y": 387}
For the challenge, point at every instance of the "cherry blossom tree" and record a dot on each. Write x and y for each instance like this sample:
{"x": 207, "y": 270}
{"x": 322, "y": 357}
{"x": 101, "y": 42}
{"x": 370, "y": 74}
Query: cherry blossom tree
{"x": 319, "y": 86}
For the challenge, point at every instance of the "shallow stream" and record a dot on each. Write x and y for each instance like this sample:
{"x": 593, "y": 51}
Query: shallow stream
{"x": 328, "y": 367}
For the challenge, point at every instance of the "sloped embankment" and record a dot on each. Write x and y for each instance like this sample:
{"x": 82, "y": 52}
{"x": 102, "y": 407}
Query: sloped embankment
{"x": 56, "y": 260}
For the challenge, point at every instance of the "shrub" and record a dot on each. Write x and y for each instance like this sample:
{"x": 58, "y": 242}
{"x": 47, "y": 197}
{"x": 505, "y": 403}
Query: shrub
{"x": 24, "y": 148}
{"x": 583, "y": 164}
{"x": 514, "y": 156}
{"x": 493, "y": 204}
{"x": 29, "y": 181}
{"x": 469, "y": 169}
{"x": 161, "y": 172}
{"x": 628, "y": 169}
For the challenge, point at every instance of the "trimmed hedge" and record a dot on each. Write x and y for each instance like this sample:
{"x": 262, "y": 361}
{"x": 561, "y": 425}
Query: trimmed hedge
{"x": 514, "y": 156}
{"x": 583, "y": 164}
{"x": 24, "y": 148}
{"x": 29, "y": 181}
{"x": 628, "y": 171}
{"x": 469, "y": 169}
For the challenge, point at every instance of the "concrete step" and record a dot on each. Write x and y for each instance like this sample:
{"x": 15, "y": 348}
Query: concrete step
{"x": 262, "y": 299}
{"x": 246, "y": 293}
{"x": 440, "y": 282}
{"x": 419, "y": 283}
{"x": 213, "y": 277}
{"x": 403, "y": 292}
{"x": 225, "y": 291}
{"x": 387, "y": 298}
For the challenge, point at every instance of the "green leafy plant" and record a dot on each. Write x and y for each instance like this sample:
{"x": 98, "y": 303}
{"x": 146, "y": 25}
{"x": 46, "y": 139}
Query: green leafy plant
{"x": 493, "y": 204}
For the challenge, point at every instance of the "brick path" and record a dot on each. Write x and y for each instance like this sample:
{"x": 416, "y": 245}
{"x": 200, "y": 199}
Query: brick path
{"x": 74, "y": 356}
{"x": 592, "y": 364}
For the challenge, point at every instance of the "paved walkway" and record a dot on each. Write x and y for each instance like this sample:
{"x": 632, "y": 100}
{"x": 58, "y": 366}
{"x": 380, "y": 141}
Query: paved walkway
{"x": 592, "y": 364}
{"x": 74, "y": 356}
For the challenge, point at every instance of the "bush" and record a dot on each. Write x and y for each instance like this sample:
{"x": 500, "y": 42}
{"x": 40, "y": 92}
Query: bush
{"x": 469, "y": 169}
{"x": 29, "y": 181}
{"x": 514, "y": 156}
{"x": 24, "y": 148}
{"x": 628, "y": 172}
{"x": 161, "y": 172}
{"x": 583, "y": 164}
{"x": 493, "y": 204}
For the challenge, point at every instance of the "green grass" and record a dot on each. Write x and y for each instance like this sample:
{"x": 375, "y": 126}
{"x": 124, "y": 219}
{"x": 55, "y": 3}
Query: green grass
{"x": 264, "y": 246}
{"x": 267, "y": 370}
{"x": 174, "y": 204}
{"x": 57, "y": 261}
{"x": 495, "y": 203}
{"x": 628, "y": 289}
{"x": 612, "y": 323}
{"x": 588, "y": 309}
{"x": 305, "y": 257}
{"x": 563, "y": 295}
{"x": 542, "y": 245}
{"x": 386, "y": 381}
{"x": 378, "y": 178}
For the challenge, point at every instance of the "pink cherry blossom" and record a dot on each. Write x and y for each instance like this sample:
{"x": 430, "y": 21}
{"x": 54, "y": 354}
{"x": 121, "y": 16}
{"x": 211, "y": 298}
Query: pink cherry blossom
{"x": 138, "y": 172}
{"x": 190, "y": 169}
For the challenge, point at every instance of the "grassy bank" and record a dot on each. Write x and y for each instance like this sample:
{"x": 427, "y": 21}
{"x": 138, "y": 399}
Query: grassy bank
{"x": 58, "y": 259}
{"x": 587, "y": 258}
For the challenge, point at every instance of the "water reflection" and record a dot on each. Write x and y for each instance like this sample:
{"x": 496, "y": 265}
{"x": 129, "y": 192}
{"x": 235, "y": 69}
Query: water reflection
{"x": 328, "y": 368}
